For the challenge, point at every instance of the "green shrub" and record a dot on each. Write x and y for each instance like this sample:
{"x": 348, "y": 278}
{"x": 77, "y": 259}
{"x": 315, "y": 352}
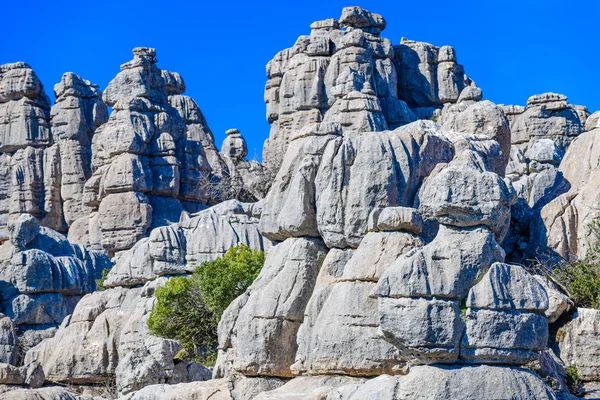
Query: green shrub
{"x": 100, "y": 281}
{"x": 224, "y": 279}
{"x": 434, "y": 118}
{"x": 180, "y": 313}
{"x": 188, "y": 308}
{"x": 573, "y": 380}
{"x": 582, "y": 279}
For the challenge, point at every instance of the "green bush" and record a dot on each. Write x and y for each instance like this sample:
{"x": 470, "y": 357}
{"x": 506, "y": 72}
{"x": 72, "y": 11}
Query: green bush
{"x": 224, "y": 279}
{"x": 188, "y": 308}
{"x": 100, "y": 281}
{"x": 582, "y": 279}
{"x": 573, "y": 380}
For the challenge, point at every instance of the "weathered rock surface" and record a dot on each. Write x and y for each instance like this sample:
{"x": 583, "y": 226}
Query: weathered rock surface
{"x": 259, "y": 329}
{"x": 505, "y": 321}
{"x": 568, "y": 226}
{"x": 107, "y": 333}
{"x": 450, "y": 383}
{"x": 42, "y": 276}
{"x": 540, "y": 134}
{"x": 247, "y": 178}
{"x": 579, "y": 343}
{"x": 341, "y": 299}
{"x": 328, "y": 185}
{"x": 344, "y": 72}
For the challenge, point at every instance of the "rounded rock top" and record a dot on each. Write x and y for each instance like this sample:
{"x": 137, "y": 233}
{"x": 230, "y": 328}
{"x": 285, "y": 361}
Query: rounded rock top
{"x": 232, "y": 131}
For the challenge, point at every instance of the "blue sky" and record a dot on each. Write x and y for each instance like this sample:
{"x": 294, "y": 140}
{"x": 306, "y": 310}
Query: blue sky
{"x": 512, "y": 49}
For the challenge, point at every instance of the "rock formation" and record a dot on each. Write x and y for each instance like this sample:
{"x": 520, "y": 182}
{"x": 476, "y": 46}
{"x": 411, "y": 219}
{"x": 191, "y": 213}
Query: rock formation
{"x": 29, "y": 179}
{"x": 540, "y": 134}
{"x": 247, "y": 178}
{"x": 396, "y": 199}
{"x": 345, "y": 72}
{"x": 107, "y": 334}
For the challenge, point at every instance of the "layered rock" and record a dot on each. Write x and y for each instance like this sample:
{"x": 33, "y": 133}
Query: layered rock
{"x": 29, "y": 163}
{"x": 78, "y": 111}
{"x": 541, "y": 134}
{"x": 345, "y": 72}
{"x": 107, "y": 333}
{"x": 466, "y": 383}
{"x": 42, "y": 277}
{"x": 152, "y": 160}
{"x": 568, "y": 223}
{"x": 328, "y": 185}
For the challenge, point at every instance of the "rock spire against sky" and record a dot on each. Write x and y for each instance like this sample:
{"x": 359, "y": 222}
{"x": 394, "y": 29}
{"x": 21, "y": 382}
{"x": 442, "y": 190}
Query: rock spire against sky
{"x": 506, "y": 46}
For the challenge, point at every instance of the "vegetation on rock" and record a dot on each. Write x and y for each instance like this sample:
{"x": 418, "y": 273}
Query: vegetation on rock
{"x": 582, "y": 278}
{"x": 100, "y": 281}
{"x": 188, "y": 308}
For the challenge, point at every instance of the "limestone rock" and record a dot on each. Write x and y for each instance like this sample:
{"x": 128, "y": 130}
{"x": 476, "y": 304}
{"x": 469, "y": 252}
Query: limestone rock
{"x": 567, "y": 225}
{"x": 30, "y": 374}
{"x": 361, "y": 172}
{"x": 179, "y": 248}
{"x": 308, "y": 388}
{"x": 247, "y": 178}
{"x": 45, "y": 393}
{"x": 263, "y": 336}
{"x": 558, "y": 302}
{"x": 355, "y": 78}
{"x": 505, "y": 321}
{"x": 24, "y": 109}
{"x": 9, "y": 348}
{"x": 341, "y": 299}
{"x": 579, "y": 345}
{"x": 483, "y": 118}
{"x": 446, "y": 383}
{"x": 78, "y": 111}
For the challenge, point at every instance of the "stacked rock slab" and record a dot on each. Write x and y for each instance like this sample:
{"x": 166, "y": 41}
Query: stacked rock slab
{"x": 78, "y": 111}
{"x": 541, "y": 134}
{"x": 247, "y": 177}
{"x": 568, "y": 223}
{"x": 345, "y": 72}
{"x": 107, "y": 333}
{"x": 29, "y": 163}
{"x": 148, "y": 163}
{"x": 42, "y": 277}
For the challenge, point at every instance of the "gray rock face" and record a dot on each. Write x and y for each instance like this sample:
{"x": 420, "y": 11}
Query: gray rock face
{"x": 344, "y": 72}
{"x": 24, "y": 108}
{"x": 567, "y": 222}
{"x": 579, "y": 345}
{"x": 45, "y": 393}
{"x": 480, "y": 118}
{"x": 42, "y": 276}
{"x": 107, "y": 333}
{"x": 264, "y": 327}
{"x": 328, "y": 186}
{"x": 179, "y": 248}
{"x": 449, "y": 383}
{"x": 341, "y": 299}
{"x": 247, "y": 177}
{"x": 29, "y": 171}
{"x": 78, "y": 111}
{"x": 309, "y": 388}
{"x": 541, "y": 134}
{"x": 505, "y": 321}
{"x": 30, "y": 375}
{"x": 9, "y": 348}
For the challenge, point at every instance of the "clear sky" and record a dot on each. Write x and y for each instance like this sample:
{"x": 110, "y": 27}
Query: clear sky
{"x": 512, "y": 49}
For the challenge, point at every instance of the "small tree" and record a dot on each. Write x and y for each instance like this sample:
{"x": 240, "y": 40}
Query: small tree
{"x": 188, "y": 308}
